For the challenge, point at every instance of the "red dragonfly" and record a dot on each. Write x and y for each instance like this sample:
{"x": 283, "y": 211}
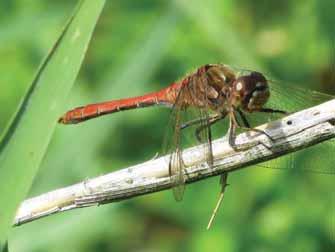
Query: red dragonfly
{"x": 213, "y": 87}
{"x": 216, "y": 91}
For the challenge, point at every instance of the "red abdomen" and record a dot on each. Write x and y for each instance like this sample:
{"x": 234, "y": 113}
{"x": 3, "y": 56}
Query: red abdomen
{"x": 166, "y": 97}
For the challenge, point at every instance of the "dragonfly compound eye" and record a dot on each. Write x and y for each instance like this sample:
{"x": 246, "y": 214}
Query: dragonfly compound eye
{"x": 250, "y": 91}
{"x": 259, "y": 88}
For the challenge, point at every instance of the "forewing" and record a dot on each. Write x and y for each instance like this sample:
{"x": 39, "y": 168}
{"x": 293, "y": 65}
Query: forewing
{"x": 317, "y": 160}
{"x": 199, "y": 94}
{"x": 206, "y": 136}
{"x": 292, "y": 98}
{"x": 194, "y": 96}
{"x": 173, "y": 147}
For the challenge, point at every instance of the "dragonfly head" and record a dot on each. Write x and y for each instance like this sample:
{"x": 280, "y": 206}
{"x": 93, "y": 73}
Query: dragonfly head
{"x": 250, "y": 92}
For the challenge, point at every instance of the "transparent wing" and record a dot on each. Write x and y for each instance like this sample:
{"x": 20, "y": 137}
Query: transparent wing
{"x": 180, "y": 137}
{"x": 205, "y": 135}
{"x": 173, "y": 145}
{"x": 292, "y": 98}
{"x": 200, "y": 93}
{"x": 310, "y": 171}
{"x": 318, "y": 159}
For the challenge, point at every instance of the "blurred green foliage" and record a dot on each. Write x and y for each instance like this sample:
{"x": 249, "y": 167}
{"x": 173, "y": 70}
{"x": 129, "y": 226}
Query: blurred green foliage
{"x": 141, "y": 46}
{"x": 65, "y": 56}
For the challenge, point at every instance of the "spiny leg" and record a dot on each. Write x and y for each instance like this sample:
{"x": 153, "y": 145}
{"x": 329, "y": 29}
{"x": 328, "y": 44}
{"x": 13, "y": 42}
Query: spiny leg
{"x": 244, "y": 119}
{"x": 270, "y": 110}
{"x": 191, "y": 123}
{"x": 198, "y": 121}
{"x": 233, "y": 124}
{"x": 209, "y": 135}
{"x": 264, "y": 110}
{"x": 248, "y": 127}
{"x": 211, "y": 121}
{"x": 232, "y": 131}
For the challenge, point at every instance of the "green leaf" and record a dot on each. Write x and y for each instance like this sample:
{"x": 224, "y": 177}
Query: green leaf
{"x": 4, "y": 248}
{"x": 27, "y": 137}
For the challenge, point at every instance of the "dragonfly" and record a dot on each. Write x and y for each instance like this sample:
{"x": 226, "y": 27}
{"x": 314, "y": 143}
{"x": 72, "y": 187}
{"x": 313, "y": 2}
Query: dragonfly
{"x": 213, "y": 92}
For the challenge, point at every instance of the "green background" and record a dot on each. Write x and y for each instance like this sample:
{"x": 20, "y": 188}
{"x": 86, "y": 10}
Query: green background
{"x": 141, "y": 46}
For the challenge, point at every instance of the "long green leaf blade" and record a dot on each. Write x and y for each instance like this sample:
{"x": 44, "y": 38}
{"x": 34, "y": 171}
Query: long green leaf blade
{"x": 25, "y": 142}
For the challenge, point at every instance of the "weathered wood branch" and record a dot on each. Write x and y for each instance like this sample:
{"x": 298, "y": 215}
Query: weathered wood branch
{"x": 294, "y": 132}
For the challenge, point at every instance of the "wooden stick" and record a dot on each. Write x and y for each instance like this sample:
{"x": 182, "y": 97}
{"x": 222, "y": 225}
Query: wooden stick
{"x": 294, "y": 132}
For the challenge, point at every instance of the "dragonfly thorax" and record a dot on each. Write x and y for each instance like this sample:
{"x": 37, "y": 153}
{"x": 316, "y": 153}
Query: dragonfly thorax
{"x": 220, "y": 79}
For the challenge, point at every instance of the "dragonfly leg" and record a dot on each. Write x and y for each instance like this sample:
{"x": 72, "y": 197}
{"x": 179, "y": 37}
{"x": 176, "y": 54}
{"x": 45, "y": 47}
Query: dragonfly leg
{"x": 190, "y": 123}
{"x": 211, "y": 121}
{"x": 232, "y": 132}
{"x": 233, "y": 124}
{"x": 248, "y": 127}
{"x": 270, "y": 110}
{"x": 198, "y": 121}
{"x": 244, "y": 119}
